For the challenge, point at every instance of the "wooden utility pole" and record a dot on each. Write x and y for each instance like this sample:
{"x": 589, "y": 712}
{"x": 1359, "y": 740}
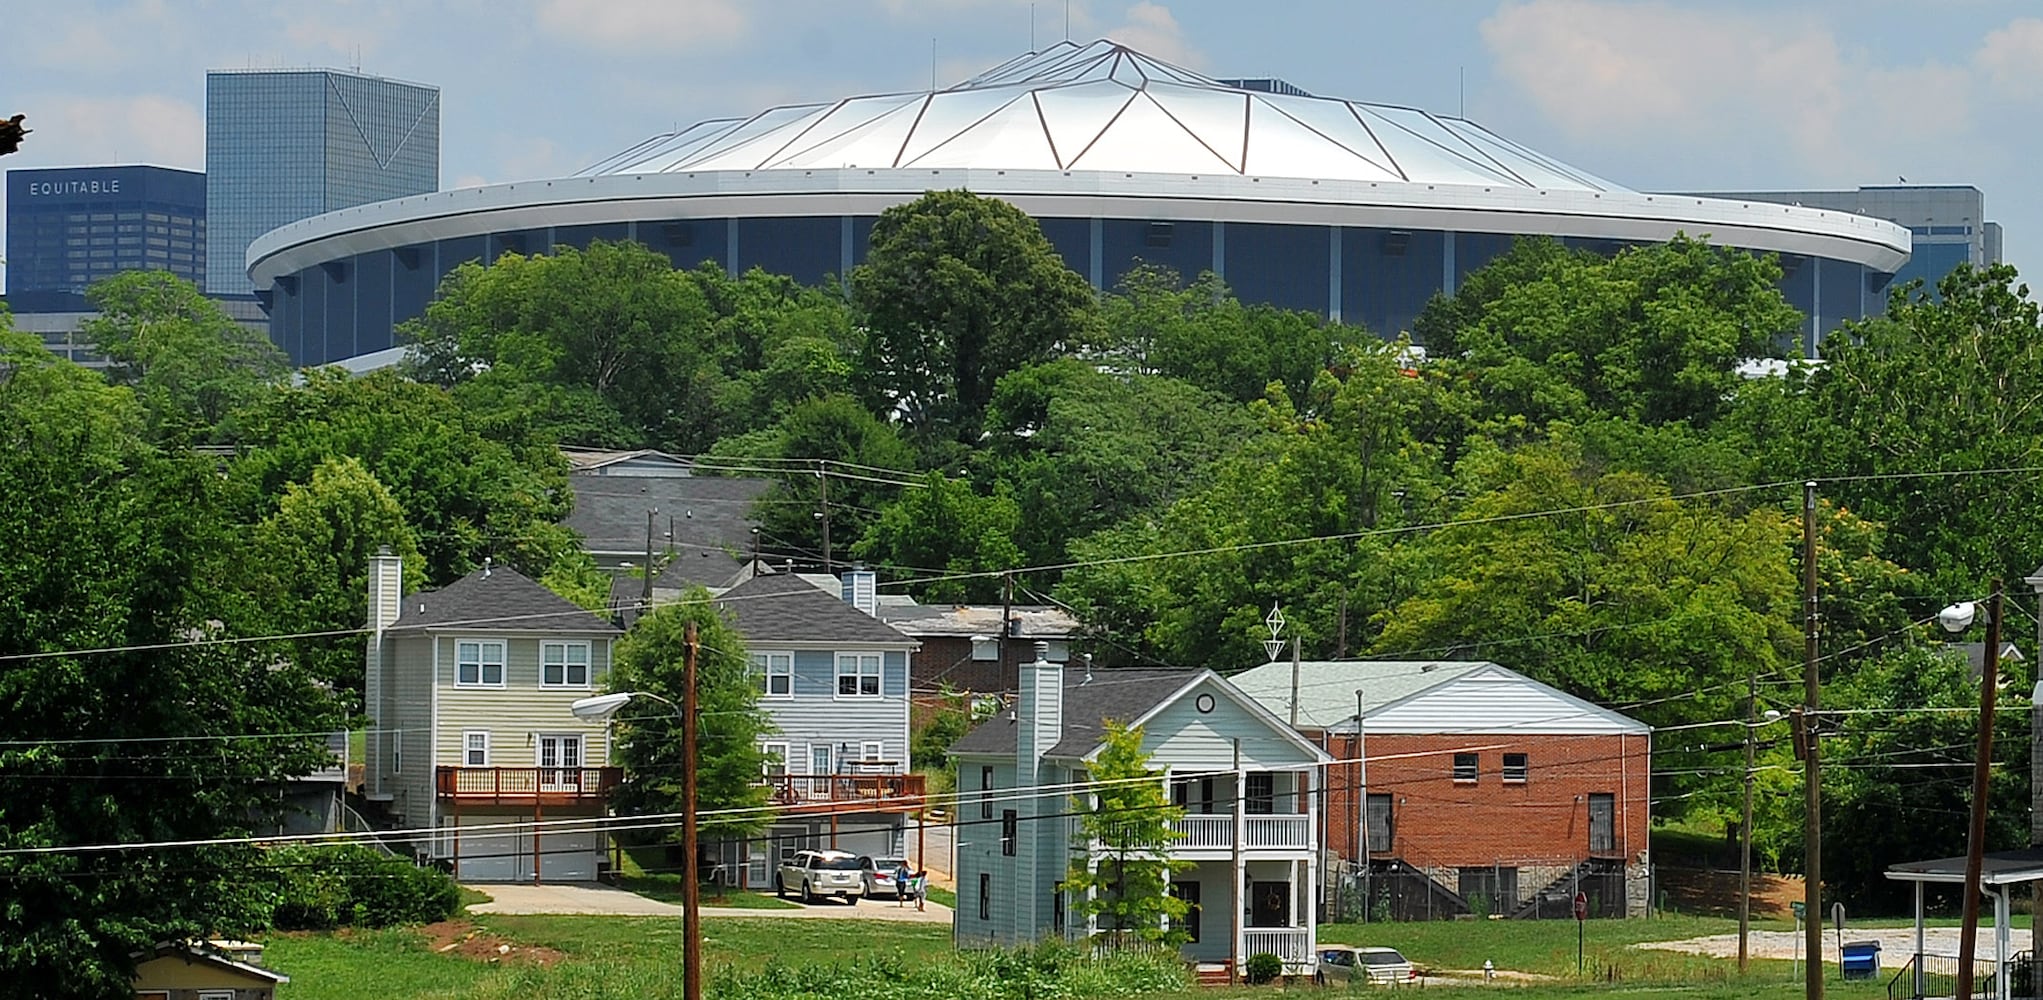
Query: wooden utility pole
{"x": 1982, "y": 765}
{"x": 645, "y": 592}
{"x": 1812, "y": 772}
{"x": 691, "y": 890}
{"x": 1745, "y": 829}
{"x": 823, "y": 477}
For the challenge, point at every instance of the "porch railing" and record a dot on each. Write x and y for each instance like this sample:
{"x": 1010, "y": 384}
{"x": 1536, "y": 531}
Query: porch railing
{"x": 525, "y": 785}
{"x": 894, "y": 791}
{"x": 1259, "y": 831}
{"x": 1292, "y": 944}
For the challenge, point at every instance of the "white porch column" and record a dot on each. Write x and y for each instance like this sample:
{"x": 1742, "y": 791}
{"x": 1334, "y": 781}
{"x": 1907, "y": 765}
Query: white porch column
{"x": 1919, "y": 981}
{"x": 2000, "y": 942}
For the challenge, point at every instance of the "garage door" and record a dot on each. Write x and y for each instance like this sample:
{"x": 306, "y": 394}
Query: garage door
{"x": 568, "y": 856}
{"x": 494, "y": 856}
{"x": 506, "y": 855}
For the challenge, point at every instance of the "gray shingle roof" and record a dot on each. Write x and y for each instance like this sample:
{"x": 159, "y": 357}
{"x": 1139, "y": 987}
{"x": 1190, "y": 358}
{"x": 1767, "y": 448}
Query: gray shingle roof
{"x": 709, "y": 514}
{"x": 781, "y": 607}
{"x": 1326, "y": 688}
{"x": 500, "y": 600}
{"x": 1123, "y": 694}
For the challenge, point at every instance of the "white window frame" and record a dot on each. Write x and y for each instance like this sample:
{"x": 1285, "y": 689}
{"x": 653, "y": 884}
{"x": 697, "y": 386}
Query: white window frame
{"x": 858, "y": 663}
{"x": 566, "y": 777}
{"x": 482, "y": 662}
{"x": 469, "y": 748}
{"x": 565, "y": 646}
{"x": 772, "y": 665}
{"x": 829, "y": 759}
{"x": 871, "y": 750}
{"x": 774, "y": 750}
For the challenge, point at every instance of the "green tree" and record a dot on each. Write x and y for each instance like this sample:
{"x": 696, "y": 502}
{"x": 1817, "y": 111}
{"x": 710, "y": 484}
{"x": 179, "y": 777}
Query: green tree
{"x": 1201, "y": 334}
{"x": 310, "y": 564}
{"x": 1945, "y": 383}
{"x": 1083, "y": 449}
{"x": 956, "y": 291}
{"x": 189, "y": 363}
{"x": 1124, "y": 883}
{"x": 651, "y": 658}
{"x": 111, "y": 545}
{"x": 1653, "y": 334}
{"x": 865, "y": 460}
{"x": 947, "y": 528}
{"x": 463, "y": 494}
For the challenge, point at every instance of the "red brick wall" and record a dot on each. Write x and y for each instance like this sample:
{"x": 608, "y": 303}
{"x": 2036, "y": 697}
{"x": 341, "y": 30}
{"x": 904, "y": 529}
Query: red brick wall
{"x": 1439, "y": 822}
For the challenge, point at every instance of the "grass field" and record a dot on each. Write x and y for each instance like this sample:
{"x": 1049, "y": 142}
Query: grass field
{"x": 603, "y": 957}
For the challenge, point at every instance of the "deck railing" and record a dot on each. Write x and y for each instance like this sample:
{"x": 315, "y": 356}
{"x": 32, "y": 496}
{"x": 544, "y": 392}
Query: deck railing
{"x": 1257, "y": 832}
{"x": 846, "y": 791}
{"x": 526, "y": 785}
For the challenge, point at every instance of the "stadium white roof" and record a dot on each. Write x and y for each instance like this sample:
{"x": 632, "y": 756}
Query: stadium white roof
{"x": 1108, "y": 108}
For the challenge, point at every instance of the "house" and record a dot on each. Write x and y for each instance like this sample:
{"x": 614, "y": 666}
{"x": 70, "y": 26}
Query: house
{"x": 1488, "y": 792}
{"x": 226, "y": 970}
{"x": 627, "y": 501}
{"x": 467, "y": 692}
{"x": 834, "y": 681}
{"x": 962, "y": 646}
{"x": 1248, "y": 783}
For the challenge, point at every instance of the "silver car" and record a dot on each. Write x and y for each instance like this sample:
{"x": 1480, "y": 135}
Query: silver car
{"x": 878, "y": 874}
{"x": 820, "y": 874}
{"x": 1377, "y": 966}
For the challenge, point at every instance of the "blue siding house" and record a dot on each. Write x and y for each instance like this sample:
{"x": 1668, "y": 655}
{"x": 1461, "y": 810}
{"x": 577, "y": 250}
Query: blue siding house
{"x": 1248, "y": 783}
{"x": 834, "y": 681}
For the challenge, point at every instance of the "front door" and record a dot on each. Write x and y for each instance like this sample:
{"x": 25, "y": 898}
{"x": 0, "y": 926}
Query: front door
{"x": 560, "y": 762}
{"x": 819, "y": 770}
{"x": 1269, "y": 904}
{"x": 1602, "y": 823}
{"x": 1189, "y": 892}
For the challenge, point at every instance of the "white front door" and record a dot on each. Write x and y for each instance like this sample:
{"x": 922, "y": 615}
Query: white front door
{"x": 560, "y": 762}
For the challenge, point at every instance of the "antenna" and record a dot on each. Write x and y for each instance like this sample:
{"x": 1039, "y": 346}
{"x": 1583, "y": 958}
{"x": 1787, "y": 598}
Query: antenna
{"x": 932, "y": 65}
{"x": 1032, "y": 29}
{"x": 1067, "y": 20}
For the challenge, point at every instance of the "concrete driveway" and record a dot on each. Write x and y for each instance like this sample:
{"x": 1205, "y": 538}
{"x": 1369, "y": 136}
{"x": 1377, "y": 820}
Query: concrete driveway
{"x": 591, "y": 899}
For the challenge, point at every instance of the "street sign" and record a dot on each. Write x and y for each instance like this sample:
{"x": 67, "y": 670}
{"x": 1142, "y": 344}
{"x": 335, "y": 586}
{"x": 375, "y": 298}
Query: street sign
{"x": 1801, "y": 909}
{"x": 1581, "y": 915}
{"x": 1581, "y": 906}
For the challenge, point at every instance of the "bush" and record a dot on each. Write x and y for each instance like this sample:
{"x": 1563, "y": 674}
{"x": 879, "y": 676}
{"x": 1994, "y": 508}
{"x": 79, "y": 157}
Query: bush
{"x": 322, "y": 887}
{"x": 1263, "y": 967}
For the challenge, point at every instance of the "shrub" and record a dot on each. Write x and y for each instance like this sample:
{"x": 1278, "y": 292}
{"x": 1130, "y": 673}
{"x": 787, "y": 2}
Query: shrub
{"x": 348, "y": 885}
{"x": 1263, "y": 967}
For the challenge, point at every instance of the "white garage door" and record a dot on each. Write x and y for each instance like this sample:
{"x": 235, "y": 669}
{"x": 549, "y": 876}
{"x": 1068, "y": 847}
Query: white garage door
{"x": 568, "y": 856}
{"x": 494, "y": 856}
{"x": 506, "y": 855}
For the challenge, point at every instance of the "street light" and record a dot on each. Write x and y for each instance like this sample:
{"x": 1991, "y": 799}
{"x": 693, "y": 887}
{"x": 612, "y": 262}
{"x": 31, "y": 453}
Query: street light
{"x": 1957, "y": 618}
{"x": 599, "y": 708}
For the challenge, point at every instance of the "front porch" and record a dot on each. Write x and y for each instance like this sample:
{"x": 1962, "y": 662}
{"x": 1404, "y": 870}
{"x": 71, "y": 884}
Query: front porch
{"x": 1267, "y": 909}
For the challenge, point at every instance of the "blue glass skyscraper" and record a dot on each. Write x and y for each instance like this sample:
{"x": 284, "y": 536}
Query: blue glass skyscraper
{"x": 284, "y": 145}
{"x": 71, "y": 226}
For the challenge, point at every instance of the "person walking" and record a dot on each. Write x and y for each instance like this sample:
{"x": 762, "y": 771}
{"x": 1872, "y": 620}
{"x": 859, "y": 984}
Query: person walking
{"x": 901, "y": 884}
{"x": 921, "y": 889}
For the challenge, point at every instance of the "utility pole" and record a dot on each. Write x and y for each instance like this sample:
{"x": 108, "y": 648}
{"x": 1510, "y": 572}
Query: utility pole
{"x": 1812, "y": 772}
{"x": 1294, "y": 682}
{"x": 1745, "y": 828}
{"x": 823, "y": 476}
{"x": 691, "y": 890}
{"x": 1982, "y": 765}
{"x": 1234, "y": 948}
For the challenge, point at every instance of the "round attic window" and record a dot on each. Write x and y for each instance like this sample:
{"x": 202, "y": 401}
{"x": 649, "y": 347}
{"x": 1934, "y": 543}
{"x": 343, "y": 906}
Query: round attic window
{"x": 1204, "y": 703}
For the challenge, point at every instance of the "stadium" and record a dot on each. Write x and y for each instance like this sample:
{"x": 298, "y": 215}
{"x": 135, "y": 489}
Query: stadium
{"x": 1357, "y": 211}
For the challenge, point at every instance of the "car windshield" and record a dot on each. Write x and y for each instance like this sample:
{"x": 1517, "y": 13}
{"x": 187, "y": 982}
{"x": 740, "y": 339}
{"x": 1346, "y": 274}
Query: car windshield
{"x": 1383, "y": 958}
{"x": 888, "y": 866}
{"x": 837, "y": 864}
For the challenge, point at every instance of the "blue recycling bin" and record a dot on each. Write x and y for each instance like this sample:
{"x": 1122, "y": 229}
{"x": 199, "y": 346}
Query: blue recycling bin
{"x": 1861, "y": 959}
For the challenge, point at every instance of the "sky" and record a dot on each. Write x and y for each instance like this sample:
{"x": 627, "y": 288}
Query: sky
{"x": 1658, "y": 95}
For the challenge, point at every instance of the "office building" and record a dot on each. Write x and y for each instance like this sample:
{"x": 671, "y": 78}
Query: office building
{"x": 1357, "y": 211}
{"x": 68, "y": 227}
{"x": 284, "y": 145}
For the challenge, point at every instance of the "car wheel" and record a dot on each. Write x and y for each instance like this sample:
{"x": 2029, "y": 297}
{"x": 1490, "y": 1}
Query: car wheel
{"x": 853, "y": 897}
{"x": 808, "y": 893}
{"x": 779, "y": 886}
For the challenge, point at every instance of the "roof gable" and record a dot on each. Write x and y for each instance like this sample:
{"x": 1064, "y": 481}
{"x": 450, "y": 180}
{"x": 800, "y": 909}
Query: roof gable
{"x": 1178, "y": 731}
{"x": 780, "y": 607}
{"x": 1121, "y": 693}
{"x": 497, "y": 600}
{"x": 1427, "y": 696}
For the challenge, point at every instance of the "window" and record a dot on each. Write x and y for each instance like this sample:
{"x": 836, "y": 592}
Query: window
{"x": 560, "y": 762}
{"x": 1260, "y": 796}
{"x": 985, "y": 896}
{"x": 1057, "y": 912}
{"x": 397, "y": 754}
{"x": 1193, "y": 795}
{"x": 475, "y": 748}
{"x": 1490, "y": 891}
{"x": 775, "y": 764}
{"x": 479, "y": 664}
{"x": 869, "y": 750}
{"x": 1516, "y": 768}
{"x": 1466, "y": 767}
{"x": 564, "y": 664}
{"x": 819, "y": 760}
{"x": 776, "y": 674}
{"x": 1007, "y": 832}
{"x": 1189, "y": 892}
{"x": 858, "y": 675}
{"x": 986, "y": 793}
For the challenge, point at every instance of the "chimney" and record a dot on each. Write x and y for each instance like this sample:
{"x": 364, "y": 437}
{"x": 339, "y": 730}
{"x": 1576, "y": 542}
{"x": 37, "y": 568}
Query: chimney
{"x": 1039, "y": 724}
{"x": 859, "y": 588}
{"x": 386, "y": 588}
{"x": 386, "y": 598}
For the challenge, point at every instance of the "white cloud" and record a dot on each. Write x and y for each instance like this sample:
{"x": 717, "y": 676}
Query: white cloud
{"x": 1150, "y": 28}
{"x": 2012, "y": 57}
{"x": 1707, "y": 79}
{"x": 645, "y": 24}
{"x": 144, "y": 128}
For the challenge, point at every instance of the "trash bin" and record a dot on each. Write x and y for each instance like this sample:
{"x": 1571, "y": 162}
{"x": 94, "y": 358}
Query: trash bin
{"x": 1861, "y": 959}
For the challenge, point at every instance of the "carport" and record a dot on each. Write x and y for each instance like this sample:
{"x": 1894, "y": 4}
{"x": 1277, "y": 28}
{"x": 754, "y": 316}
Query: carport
{"x": 2000, "y": 871}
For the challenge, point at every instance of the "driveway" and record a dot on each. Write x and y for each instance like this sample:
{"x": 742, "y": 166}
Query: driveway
{"x": 601, "y": 900}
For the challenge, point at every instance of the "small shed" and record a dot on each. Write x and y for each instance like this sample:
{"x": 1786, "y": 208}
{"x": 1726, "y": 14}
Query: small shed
{"x": 204, "y": 972}
{"x": 1999, "y": 871}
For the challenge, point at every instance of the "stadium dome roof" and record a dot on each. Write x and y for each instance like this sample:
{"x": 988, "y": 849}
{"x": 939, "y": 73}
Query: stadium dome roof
{"x": 1108, "y": 108}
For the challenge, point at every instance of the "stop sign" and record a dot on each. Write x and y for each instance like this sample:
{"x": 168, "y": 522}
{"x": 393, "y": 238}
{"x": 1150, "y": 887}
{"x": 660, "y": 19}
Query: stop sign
{"x": 1581, "y": 906}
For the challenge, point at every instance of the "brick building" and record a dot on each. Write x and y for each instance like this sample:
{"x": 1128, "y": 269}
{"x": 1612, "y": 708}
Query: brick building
{"x": 1487, "y": 792}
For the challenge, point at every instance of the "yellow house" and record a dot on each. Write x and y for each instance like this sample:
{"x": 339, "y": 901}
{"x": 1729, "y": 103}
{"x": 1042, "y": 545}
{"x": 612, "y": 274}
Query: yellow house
{"x": 204, "y": 972}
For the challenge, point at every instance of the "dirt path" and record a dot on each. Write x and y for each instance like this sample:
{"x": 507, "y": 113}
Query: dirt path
{"x": 1896, "y": 943}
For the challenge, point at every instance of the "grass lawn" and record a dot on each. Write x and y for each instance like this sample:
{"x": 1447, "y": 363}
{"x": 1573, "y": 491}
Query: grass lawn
{"x": 938, "y": 894}
{"x": 604, "y": 957}
{"x": 668, "y": 889}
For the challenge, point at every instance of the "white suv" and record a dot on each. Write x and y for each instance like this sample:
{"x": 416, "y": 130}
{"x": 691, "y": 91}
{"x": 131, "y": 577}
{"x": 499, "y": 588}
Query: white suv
{"x": 820, "y": 873}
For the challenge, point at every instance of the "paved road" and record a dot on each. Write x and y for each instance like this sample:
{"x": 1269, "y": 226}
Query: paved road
{"x": 602, "y": 900}
{"x": 935, "y": 840}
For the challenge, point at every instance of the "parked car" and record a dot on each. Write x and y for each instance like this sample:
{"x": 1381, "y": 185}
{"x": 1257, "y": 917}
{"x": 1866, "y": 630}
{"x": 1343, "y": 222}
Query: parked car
{"x": 1371, "y": 965}
{"x": 878, "y": 876}
{"x": 820, "y": 873}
